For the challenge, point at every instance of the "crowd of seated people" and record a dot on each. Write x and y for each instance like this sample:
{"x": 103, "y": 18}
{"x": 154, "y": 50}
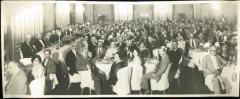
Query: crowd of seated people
{"x": 127, "y": 45}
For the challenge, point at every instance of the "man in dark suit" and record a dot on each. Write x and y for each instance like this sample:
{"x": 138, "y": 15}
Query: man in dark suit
{"x": 50, "y": 71}
{"x": 17, "y": 85}
{"x": 151, "y": 45}
{"x": 192, "y": 41}
{"x": 71, "y": 59}
{"x": 65, "y": 31}
{"x": 39, "y": 43}
{"x": 27, "y": 48}
{"x": 158, "y": 71}
{"x": 163, "y": 38}
{"x": 54, "y": 37}
{"x": 92, "y": 46}
{"x": 122, "y": 47}
{"x": 46, "y": 39}
{"x": 175, "y": 55}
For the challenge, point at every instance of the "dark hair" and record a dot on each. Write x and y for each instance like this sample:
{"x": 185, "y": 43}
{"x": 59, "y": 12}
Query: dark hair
{"x": 120, "y": 55}
{"x": 36, "y": 56}
{"x": 47, "y": 51}
{"x": 134, "y": 47}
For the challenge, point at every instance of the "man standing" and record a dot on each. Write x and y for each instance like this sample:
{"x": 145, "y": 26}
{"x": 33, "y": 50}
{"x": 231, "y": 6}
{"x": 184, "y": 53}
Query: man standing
{"x": 71, "y": 59}
{"x": 158, "y": 71}
{"x": 93, "y": 46}
{"x": 175, "y": 55}
{"x": 51, "y": 71}
{"x": 17, "y": 85}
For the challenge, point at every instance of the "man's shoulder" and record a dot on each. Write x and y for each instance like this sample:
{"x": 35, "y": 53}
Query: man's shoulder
{"x": 69, "y": 52}
{"x": 21, "y": 75}
{"x": 23, "y": 44}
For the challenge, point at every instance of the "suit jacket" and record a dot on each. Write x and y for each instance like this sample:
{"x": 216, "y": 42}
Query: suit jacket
{"x": 53, "y": 38}
{"x": 71, "y": 62}
{"x": 162, "y": 66}
{"x": 162, "y": 39}
{"x": 102, "y": 52}
{"x": 192, "y": 43}
{"x": 113, "y": 72}
{"x": 50, "y": 66}
{"x": 17, "y": 85}
{"x": 39, "y": 45}
{"x": 27, "y": 50}
{"x": 64, "y": 33}
{"x": 151, "y": 46}
{"x": 92, "y": 48}
{"x": 46, "y": 41}
{"x": 207, "y": 65}
{"x": 175, "y": 57}
{"x": 122, "y": 50}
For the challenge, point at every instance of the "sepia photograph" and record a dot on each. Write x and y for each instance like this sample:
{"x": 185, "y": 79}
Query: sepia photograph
{"x": 76, "y": 49}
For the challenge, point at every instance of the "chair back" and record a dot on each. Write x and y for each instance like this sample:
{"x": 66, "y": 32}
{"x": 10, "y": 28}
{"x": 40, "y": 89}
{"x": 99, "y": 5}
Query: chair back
{"x": 122, "y": 86}
{"x": 163, "y": 83}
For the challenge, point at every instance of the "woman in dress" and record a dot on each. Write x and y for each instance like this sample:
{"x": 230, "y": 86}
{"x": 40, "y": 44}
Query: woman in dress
{"x": 37, "y": 85}
{"x": 116, "y": 78}
{"x": 137, "y": 72}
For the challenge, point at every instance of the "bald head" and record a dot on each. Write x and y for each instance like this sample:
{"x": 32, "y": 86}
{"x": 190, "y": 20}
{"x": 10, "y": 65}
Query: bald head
{"x": 12, "y": 67}
{"x": 28, "y": 38}
{"x": 39, "y": 36}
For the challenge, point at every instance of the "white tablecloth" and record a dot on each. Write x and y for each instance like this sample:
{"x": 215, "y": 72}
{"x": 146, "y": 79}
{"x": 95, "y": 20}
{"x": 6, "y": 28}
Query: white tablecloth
{"x": 197, "y": 57}
{"x": 56, "y": 53}
{"x": 229, "y": 72}
{"x": 150, "y": 65}
{"x": 104, "y": 67}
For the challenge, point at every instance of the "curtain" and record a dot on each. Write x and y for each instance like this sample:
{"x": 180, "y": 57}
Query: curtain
{"x": 62, "y": 13}
{"x": 26, "y": 18}
{"x": 79, "y": 12}
{"x": 123, "y": 12}
{"x": 20, "y": 19}
{"x": 162, "y": 10}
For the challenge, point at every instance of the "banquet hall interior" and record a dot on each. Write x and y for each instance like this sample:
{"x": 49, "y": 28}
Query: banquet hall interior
{"x": 119, "y": 48}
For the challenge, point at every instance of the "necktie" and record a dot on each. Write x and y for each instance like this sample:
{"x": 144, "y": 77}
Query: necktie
{"x": 42, "y": 43}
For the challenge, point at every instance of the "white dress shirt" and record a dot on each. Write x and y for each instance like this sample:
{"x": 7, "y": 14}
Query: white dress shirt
{"x": 45, "y": 63}
{"x": 74, "y": 52}
{"x": 42, "y": 43}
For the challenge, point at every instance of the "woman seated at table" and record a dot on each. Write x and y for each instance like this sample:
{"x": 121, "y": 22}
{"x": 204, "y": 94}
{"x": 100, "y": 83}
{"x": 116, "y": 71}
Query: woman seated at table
{"x": 137, "y": 72}
{"x": 37, "y": 85}
{"x": 110, "y": 51}
{"x": 116, "y": 66}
